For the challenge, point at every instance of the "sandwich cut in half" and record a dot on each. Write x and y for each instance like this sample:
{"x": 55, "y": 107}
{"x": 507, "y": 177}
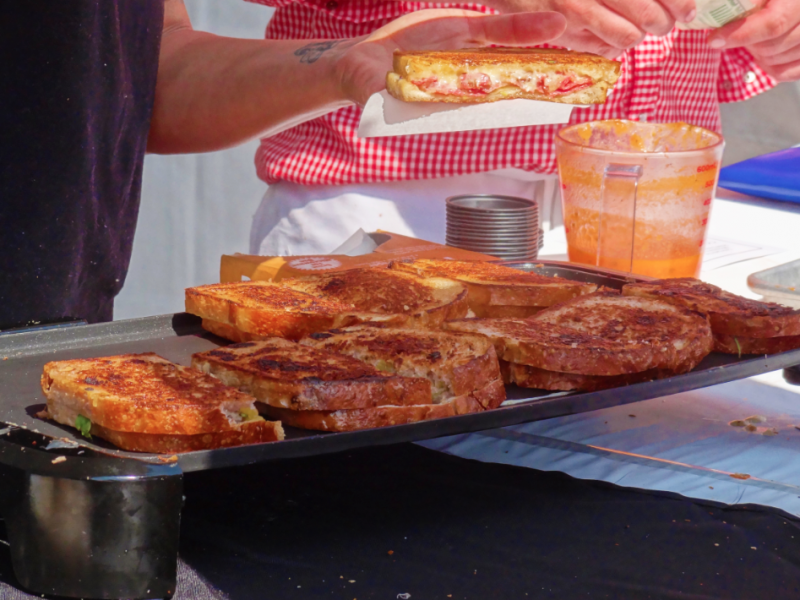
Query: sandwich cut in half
{"x": 456, "y": 364}
{"x": 404, "y": 299}
{"x": 313, "y": 388}
{"x": 145, "y": 403}
{"x": 285, "y": 374}
{"x": 578, "y": 343}
{"x": 255, "y": 310}
{"x": 497, "y": 291}
{"x": 263, "y": 309}
{"x": 475, "y": 75}
{"x": 740, "y": 325}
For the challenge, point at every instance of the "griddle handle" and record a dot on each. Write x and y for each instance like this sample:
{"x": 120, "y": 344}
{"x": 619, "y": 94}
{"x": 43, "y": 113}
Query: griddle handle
{"x": 112, "y": 535}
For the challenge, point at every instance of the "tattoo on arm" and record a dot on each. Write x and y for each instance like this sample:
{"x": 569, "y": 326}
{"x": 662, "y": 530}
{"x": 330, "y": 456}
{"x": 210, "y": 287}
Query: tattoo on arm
{"x": 311, "y": 53}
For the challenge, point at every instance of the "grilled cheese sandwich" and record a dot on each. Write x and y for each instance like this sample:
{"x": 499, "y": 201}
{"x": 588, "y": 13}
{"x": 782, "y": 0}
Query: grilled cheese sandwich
{"x": 476, "y": 75}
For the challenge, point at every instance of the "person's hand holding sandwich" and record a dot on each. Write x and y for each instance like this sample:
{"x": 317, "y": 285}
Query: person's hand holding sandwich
{"x": 214, "y": 92}
{"x": 606, "y": 27}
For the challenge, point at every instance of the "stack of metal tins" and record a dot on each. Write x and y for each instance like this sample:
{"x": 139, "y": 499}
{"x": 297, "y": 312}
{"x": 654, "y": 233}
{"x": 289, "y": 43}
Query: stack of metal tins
{"x": 502, "y": 226}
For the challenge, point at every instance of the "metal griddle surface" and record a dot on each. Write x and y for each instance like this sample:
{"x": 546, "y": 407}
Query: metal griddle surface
{"x": 177, "y": 337}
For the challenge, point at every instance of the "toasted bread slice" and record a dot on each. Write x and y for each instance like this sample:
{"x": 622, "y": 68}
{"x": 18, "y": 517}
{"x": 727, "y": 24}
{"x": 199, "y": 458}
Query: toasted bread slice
{"x": 729, "y": 314}
{"x": 491, "y": 284}
{"x": 266, "y": 309}
{"x": 253, "y": 432}
{"x": 229, "y": 332}
{"x": 600, "y": 334}
{"x": 731, "y": 344}
{"x": 475, "y": 75}
{"x": 287, "y": 375}
{"x": 455, "y": 363}
{"x": 426, "y": 302}
{"x": 533, "y": 377}
{"x": 145, "y": 403}
{"x": 383, "y": 416}
{"x": 493, "y": 311}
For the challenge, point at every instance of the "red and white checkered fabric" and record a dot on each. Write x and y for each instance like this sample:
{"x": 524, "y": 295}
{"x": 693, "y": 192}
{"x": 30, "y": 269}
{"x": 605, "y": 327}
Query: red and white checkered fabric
{"x": 674, "y": 78}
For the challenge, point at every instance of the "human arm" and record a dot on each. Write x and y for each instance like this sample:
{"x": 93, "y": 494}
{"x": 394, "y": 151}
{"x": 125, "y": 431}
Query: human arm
{"x": 214, "y": 92}
{"x": 771, "y": 35}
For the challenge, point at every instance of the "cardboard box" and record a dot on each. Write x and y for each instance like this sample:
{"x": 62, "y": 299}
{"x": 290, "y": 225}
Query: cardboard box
{"x": 391, "y": 246}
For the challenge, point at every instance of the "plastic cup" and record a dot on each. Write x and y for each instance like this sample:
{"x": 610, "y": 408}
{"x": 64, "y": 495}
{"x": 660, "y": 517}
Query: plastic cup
{"x": 637, "y": 196}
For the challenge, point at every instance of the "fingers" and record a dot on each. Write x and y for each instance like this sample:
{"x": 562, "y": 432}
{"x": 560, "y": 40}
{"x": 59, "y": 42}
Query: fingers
{"x": 683, "y": 11}
{"x": 646, "y": 15}
{"x": 775, "y": 20}
{"x": 448, "y": 29}
{"x": 784, "y": 72}
{"x": 777, "y": 46}
{"x": 518, "y": 29}
{"x": 614, "y": 29}
{"x": 783, "y": 66}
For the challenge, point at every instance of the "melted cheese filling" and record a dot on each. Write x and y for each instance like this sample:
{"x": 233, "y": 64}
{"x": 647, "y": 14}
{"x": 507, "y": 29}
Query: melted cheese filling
{"x": 551, "y": 85}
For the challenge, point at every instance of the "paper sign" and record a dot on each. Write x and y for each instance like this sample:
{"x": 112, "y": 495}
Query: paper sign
{"x": 384, "y": 115}
{"x": 720, "y": 253}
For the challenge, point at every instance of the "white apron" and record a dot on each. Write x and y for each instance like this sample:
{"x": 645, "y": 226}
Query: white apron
{"x": 298, "y": 219}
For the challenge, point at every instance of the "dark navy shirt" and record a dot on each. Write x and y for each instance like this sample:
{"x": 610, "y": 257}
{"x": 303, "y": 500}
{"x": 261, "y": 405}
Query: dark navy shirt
{"x": 77, "y": 82}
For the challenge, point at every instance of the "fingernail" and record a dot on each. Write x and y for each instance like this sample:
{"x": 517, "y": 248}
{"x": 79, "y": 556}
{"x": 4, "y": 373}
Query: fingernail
{"x": 690, "y": 17}
{"x": 716, "y": 43}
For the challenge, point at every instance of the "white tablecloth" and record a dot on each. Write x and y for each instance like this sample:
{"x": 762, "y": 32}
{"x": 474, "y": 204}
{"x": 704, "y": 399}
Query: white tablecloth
{"x": 682, "y": 443}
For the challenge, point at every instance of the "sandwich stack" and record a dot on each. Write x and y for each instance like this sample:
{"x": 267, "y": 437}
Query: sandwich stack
{"x": 496, "y": 291}
{"x": 740, "y": 325}
{"x": 145, "y": 403}
{"x": 354, "y": 379}
{"x": 596, "y": 341}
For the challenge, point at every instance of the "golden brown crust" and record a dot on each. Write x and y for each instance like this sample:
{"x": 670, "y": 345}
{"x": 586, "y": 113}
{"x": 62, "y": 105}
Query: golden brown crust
{"x": 728, "y": 313}
{"x": 491, "y": 395}
{"x": 494, "y": 56}
{"x": 455, "y": 363}
{"x": 265, "y": 308}
{"x": 491, "y": 284}
{"x": 142, "y": 393}
{"x": 254, "y": 432}
{"x": 288, "y": 375}
{"x": 533, "y": 377}
{"x": 600, "y": 334}
{"x": 426, "y": 302}
{"x": 383, "y": 416}
{"x": 493, "y": 311}
{"x": 229, "y": 332}
{"x": 730, "y": 344}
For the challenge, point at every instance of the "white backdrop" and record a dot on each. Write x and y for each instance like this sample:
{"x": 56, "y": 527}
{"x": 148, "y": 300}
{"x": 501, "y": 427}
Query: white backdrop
{"x": 197, "y": 207}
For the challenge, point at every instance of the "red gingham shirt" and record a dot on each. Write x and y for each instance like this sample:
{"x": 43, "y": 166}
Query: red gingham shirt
{"x": 673, "y": 78}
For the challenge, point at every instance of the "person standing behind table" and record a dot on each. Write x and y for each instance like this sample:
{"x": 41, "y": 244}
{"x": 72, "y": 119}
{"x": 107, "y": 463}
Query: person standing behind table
{"x": 324, "y": 182}
{"x": 89, "y": 84}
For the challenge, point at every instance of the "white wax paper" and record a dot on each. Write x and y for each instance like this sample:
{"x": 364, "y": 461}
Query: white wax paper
{"x": 386, "y": 116}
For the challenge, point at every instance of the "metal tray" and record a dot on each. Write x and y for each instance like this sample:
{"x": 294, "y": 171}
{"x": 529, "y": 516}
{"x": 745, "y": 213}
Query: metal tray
{"x": 145, "y": 485}
{"x": 779, "y": 284}
{"x": 177, "y": 337}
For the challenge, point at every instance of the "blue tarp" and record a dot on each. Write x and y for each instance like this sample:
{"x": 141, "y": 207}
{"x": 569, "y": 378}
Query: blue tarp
{"x": 775, "y": 175}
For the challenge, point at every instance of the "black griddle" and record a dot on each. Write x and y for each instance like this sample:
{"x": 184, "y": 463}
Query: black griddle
{"x": 87, "y": 520}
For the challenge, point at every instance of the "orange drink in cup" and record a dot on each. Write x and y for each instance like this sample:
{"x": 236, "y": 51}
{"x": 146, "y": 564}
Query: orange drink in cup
{"x": 637, "y": 196}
